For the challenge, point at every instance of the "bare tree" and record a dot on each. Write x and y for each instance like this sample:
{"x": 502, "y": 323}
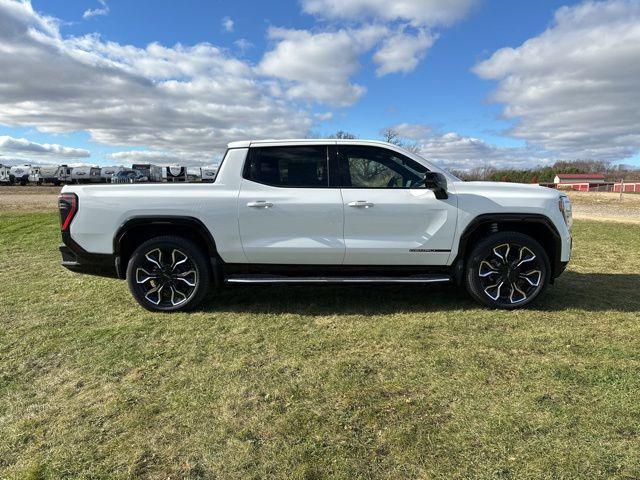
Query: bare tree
{"x": 342, "y": 135}
{"x": 393, "y": 137}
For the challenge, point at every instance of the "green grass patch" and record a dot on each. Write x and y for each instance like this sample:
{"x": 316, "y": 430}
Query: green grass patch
{"x": 318, "y": 382}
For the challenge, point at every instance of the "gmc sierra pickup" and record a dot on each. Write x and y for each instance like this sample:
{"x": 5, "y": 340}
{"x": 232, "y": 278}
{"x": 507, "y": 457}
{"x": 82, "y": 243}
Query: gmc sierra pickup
{"x": 318, "y": 211}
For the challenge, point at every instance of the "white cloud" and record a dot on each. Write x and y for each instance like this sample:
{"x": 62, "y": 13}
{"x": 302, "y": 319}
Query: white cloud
{"x": 402, "y": 52}
{"x": 27, "y": 148}
{"x": 324, "y": 117}
{"x": 192, "y": 99}
{"x": 412, "y": 131}
{"x": 97, "y": 12}
{"x": 417, "y": 12}
{"x": 227, "y": 24}
{"x": 574, "y": 89}
{"x": 318, "y": 66}
{"x": 158, "y": 157}
{"x": 243, "y": 44}
{"x": 454, "y": 151}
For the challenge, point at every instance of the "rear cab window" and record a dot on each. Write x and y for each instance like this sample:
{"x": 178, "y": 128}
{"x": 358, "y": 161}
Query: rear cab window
{"x": 296, "y": 166}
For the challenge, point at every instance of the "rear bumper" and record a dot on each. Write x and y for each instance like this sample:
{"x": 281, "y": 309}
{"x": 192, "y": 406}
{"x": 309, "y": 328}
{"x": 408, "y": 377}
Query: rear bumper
{"x": 76, "y": 259}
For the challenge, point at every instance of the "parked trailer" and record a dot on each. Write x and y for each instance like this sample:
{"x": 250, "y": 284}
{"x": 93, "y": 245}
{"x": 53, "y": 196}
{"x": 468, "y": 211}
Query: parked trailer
{"x": 152, "y": 172}
{"x": 107, "y": 173}
{"x": 208, "y": 174}
{"x": 56, "y": 175}
{"x": 193, "y": 174}
{"x": 20, "y": 174}
{"x": 85, "y": 174}
{"x": 129, "y": 176}
{"x": 34, "y": 176}
{"x": 176, "y": 173}
{"x": 4, "y": 174}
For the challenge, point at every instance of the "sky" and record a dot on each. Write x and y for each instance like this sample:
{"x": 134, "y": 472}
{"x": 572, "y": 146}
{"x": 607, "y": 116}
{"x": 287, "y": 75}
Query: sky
{"x": 472, "y": 83}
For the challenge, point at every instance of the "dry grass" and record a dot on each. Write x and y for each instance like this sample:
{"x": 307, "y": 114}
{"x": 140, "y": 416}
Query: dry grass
{"x": 282, "y": 382}
{"x": 606, "y": 206}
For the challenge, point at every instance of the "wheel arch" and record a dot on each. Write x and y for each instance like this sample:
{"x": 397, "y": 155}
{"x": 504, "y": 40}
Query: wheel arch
{"x": 537, "y": 226}
{"x": 137, "y": 230}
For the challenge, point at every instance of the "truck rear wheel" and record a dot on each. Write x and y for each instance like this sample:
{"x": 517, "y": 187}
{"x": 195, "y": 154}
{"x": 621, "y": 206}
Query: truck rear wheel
{"x": 167, "y": 274}
{"x": 507, "y": 270}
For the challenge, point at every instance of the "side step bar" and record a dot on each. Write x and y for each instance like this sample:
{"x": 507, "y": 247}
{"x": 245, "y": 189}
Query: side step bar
{"x": 282, "y": 279}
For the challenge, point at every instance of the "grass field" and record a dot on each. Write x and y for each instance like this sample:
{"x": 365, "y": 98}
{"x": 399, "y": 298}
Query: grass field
{"x": 325, "y": 382}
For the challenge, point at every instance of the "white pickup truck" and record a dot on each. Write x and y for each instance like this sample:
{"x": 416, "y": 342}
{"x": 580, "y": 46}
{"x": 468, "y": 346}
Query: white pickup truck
{"x": 318, "y": 211}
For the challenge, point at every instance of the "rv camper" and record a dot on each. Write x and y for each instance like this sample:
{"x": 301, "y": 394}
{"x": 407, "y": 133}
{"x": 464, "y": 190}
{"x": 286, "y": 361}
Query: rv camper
{"x": 85, "y": 174}
{"x": 57, "y": 175}
{"x": 4, "y": 174}
{"x": 34, "y": 175}
{"x": 20, "y": 174}
{"x": 193, "y": 174}
{"x": 209, "y": 173}
{"x": 152, "y": 172}
{"x": 107, "y": 173}
{"x": 176, "y": 173}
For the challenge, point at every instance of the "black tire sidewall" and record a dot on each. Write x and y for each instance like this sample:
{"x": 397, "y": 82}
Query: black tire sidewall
{"x": 480, "y": 252}
{"x": 191, "y": 250}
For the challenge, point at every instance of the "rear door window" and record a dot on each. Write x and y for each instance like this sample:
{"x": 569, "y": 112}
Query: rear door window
{"x": 303, "y": 166}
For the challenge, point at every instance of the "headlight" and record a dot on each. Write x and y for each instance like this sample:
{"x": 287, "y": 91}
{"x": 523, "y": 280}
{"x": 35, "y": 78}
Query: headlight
{"x": 564, "y": 204}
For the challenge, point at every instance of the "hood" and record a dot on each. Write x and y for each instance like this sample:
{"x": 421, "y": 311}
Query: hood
{"x": 500, "y": 189}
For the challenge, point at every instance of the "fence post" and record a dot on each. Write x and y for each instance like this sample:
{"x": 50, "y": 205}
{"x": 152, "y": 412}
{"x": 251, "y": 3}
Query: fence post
{"x": 621, "y": 188}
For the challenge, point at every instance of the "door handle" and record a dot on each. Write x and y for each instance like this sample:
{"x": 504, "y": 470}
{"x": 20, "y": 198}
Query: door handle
{"x": 360, "y": 204}
{"x": 260, "y": 204}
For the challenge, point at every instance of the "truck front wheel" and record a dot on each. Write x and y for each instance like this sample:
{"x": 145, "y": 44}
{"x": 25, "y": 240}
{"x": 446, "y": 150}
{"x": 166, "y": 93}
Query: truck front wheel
{"x": 168, "y": 273}
{"x": 507, "y": 270}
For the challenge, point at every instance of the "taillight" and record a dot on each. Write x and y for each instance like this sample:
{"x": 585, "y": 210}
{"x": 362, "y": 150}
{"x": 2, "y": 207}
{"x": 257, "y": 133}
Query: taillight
{"x": 68, "y": 205}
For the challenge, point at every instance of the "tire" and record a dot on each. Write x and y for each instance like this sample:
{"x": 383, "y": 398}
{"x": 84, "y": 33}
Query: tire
{"x": 511, "y": 284}
{"x": 176, "y": 279}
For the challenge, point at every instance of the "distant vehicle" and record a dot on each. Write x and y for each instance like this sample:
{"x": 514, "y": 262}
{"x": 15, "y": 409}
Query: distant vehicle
{"x": 152, "y": 172}
{"x": 129, "y": 176}
{"x": 176, "y": 173}
{"x": 20, "y": 174}
{"x": 107, "y": 172}
{"x": 85, "y": 174}
{"x": 4, "y": 173}
{"x": 319, "y": 212}
{"x": 208, "y": 174}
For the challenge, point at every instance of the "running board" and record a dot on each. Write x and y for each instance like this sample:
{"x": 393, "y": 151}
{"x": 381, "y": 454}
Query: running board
{"x": 282, "y": 279}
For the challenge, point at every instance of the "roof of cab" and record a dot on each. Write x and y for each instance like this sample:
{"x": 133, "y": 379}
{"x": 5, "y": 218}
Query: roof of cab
{"x": 298, "y": 141}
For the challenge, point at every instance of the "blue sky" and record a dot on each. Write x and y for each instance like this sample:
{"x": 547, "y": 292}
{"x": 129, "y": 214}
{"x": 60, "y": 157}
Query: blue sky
{"x": 313, "y": 67}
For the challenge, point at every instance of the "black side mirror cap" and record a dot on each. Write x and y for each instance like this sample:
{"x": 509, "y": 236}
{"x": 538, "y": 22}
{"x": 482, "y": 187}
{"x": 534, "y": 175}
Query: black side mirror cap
{"x": 437, "y": 182}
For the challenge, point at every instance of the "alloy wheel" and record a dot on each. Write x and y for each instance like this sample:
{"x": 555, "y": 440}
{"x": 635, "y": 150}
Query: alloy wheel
{"x": 167, "y": 277}
{"x": 510, "y": 274}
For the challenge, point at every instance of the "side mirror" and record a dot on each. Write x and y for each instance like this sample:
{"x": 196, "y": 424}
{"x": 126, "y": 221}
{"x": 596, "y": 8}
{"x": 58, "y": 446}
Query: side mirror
{"x": 438, "y": 183}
